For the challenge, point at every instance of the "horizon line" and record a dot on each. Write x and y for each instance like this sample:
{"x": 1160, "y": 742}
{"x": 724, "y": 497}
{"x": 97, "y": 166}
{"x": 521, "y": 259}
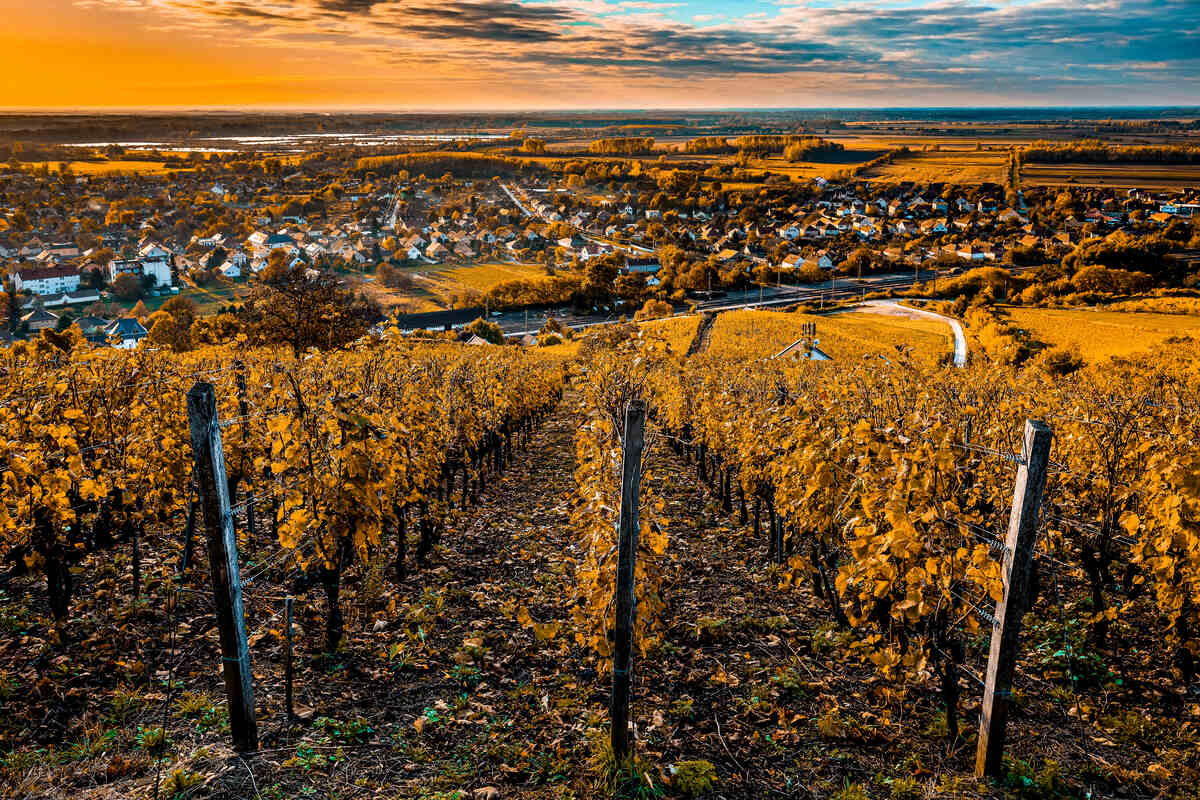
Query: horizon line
{"x": 328, "y": 110}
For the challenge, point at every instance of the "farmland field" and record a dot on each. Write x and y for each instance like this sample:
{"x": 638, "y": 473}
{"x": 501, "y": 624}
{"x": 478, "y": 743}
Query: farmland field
{"x": 480, "y": 277}
{"x": 1149, "y": 176}
{"x": 1099, "y": 335}
{"x": 436, "y": 287}
{"x": 951, "y": 166}
{"x": 140, "y": 166}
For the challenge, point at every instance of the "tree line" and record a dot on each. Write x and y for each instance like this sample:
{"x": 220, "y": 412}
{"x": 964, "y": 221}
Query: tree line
{"x": 1097, "y": 150}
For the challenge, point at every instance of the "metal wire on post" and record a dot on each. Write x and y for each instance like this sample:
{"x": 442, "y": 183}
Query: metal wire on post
{"x": 170, "y": 691}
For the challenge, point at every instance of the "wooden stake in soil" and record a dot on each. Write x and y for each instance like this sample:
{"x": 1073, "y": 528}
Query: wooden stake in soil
{"x": 222, "y": 557}
{"x": 1018, "y": 568}
{"x": 625, "y": 600}
{"x": 287, "y": 664}
{"x": 190, "y": 530}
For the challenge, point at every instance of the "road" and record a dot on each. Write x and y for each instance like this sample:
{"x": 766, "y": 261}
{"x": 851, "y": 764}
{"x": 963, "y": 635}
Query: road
{"x": 960, "y": 339}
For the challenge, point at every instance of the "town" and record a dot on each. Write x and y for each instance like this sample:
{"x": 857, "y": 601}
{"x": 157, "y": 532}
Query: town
{"x": 104, "y": 252}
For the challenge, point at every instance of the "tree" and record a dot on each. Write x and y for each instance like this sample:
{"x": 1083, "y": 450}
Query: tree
{"x": 552, "y": 327}
{"x": 533, "y": 145}
{"x": 182, "y": 310}
{"x": 12, "y": 306}
{"x": 857, "y": 262}
{"x": 600, "y": 274}
{"x": 219, "y": 329}
{"x": 631, "y": 286}
{"x": 393, "y": 277}
{"x": 306, "y": 308}
{"x": 1111, "y": 281}
{"x": 277, "y": 259}
{"x": 166, "y": 331}
{"x": 127, "y": 287}
{"x": 488, "y": 331}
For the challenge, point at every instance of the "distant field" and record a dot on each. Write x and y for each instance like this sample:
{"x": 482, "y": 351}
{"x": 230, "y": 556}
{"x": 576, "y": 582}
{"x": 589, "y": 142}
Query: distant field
{"x": 480, "y": 277}
{"x": 207, "y": 298}
{"x": 436, "y": 286}
{"x": 110, "y": 167}
{"x": 1099, "y": 335}
{"x": 951, "y": 166}
{"x": 858, "y": 334}
{"x": 846, "y": 337}
{"x": 823, "y": 167}
{"x": 1148, "y": 176}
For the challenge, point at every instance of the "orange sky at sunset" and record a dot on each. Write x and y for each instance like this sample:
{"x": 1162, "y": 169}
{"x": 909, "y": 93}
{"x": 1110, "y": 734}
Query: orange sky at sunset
{"x": 55, "y": 54}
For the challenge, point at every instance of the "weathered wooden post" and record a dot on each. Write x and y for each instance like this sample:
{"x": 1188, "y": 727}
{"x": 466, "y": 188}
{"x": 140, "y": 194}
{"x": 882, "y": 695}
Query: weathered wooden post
{"x": 1018, "y": 567}
{"x": 625, "y": 599}
{"x": 222, "y": 557}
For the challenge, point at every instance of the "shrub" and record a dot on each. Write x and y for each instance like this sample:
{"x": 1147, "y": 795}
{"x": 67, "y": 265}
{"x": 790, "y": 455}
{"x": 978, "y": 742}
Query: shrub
{"x": 850, "y": 791}
{"x": 654, "y": 309}
{"x": 904, "y": 789}
{"x": 152, "y": 740}
{"x": 623, "y": 778}
{"x": 694, "y": 778}
{"x": 1061, "y": 361}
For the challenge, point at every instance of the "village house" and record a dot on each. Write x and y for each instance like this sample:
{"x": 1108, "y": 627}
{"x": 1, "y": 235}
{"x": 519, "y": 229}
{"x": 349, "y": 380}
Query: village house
{"x": 39, "y": 320}
{"x": 125, "y": 333}
{"x": 157, "y": 269}
{"x": 75, "y": 298}
{"x": 47, "y": 280}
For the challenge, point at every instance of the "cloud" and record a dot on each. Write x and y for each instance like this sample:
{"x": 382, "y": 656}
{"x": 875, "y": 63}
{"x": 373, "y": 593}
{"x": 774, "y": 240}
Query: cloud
{"x": 987, "y": 47}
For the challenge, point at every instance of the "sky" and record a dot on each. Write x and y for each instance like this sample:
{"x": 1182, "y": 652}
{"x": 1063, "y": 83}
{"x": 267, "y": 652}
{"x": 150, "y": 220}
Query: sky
{"x": 580, "y": 54}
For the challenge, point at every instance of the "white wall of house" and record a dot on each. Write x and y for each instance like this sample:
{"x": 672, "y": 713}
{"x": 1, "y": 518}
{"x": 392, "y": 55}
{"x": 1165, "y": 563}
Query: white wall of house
{"x": 59, "y": 284}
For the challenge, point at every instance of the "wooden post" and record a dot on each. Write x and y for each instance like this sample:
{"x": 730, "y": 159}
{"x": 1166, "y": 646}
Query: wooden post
{"x": 1018, "y": 566}
{"x": 401, "y": 541}
{"x": 137, "y": 561}
{"x": 222, "y": 558}
{"x": 625, "y": 598}
{"x": 287, "y": 664}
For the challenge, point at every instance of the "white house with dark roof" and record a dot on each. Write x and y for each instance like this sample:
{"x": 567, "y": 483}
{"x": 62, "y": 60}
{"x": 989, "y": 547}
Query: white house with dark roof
{"x": 47, "y": 280}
